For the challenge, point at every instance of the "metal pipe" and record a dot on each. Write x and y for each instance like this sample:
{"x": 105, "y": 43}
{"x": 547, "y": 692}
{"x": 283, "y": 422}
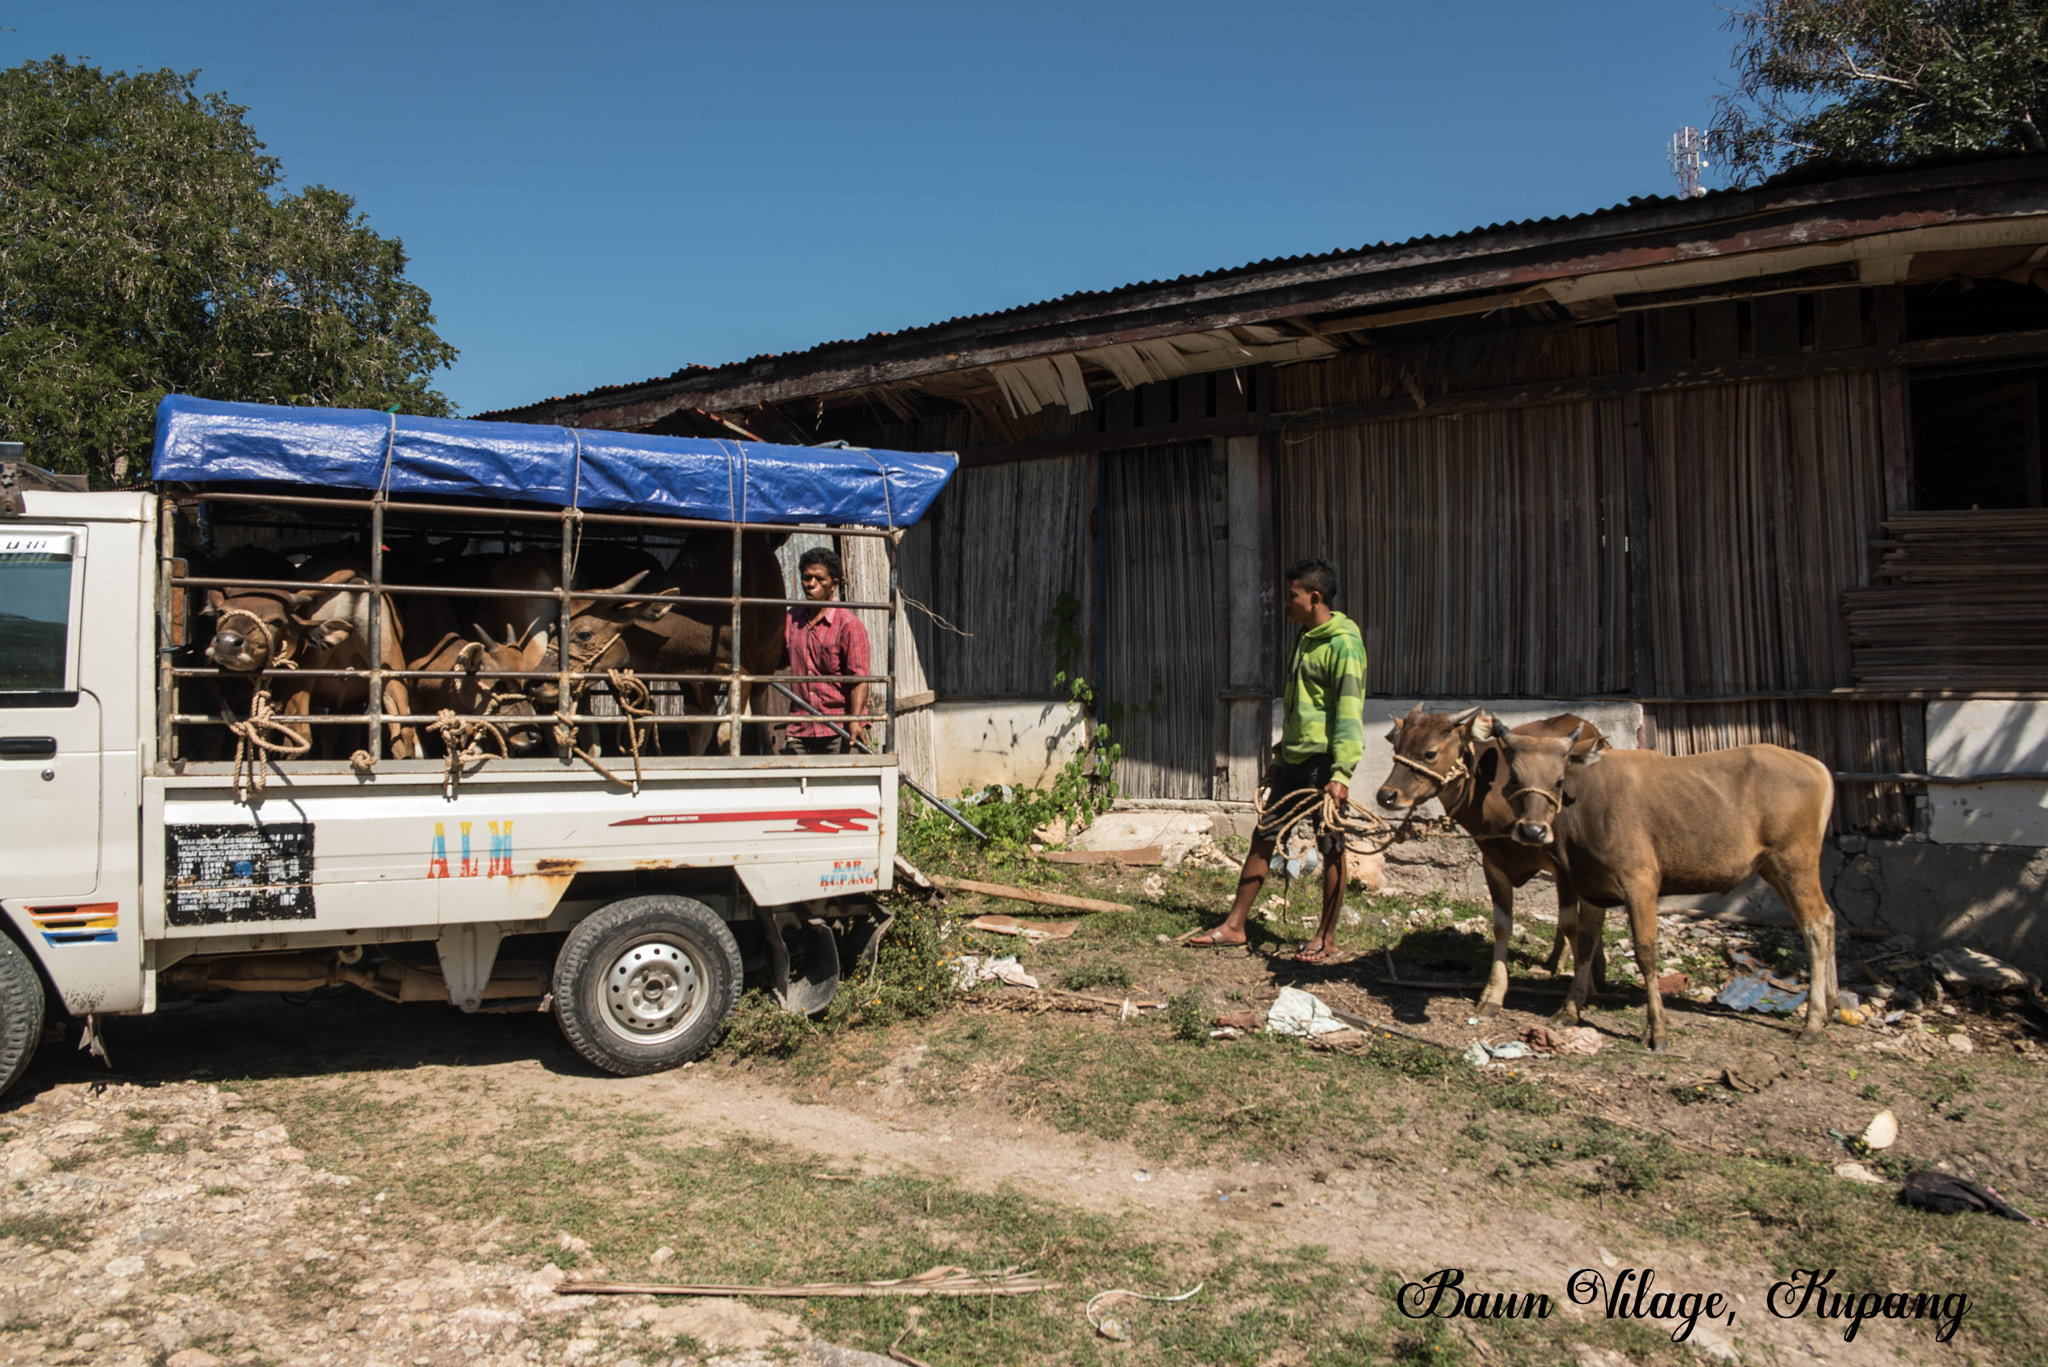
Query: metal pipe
{"x": 522, "y": 514}
{"x": 375, "y": 644}
{"x": 735, "y": 698}
{"x": 927, "y": 794}
{"x": 452, "y": 591}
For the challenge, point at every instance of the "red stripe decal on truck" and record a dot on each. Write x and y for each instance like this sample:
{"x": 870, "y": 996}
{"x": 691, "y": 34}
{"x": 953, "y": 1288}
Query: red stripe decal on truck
{"x": 827, "y": 822}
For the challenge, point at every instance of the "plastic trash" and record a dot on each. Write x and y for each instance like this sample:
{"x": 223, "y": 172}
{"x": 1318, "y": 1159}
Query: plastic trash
{"x": 1295, "y": 1012}
{"x": 1754, "y": 993}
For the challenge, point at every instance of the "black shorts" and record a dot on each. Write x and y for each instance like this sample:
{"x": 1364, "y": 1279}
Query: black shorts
{"x": 1285, "y": 783}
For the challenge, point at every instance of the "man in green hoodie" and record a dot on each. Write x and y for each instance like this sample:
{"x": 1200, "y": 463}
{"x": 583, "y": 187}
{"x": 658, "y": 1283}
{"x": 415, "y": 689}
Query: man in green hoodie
{"x": 1321, "y": 743}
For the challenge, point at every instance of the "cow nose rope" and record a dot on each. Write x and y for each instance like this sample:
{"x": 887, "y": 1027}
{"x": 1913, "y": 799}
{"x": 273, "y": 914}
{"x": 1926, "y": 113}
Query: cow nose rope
{"x": 1556, "y": 801}
{"x": 253, "y": 748}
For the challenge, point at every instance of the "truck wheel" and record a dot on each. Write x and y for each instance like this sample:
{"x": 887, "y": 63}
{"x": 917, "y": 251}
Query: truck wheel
{"x": 21, "y": 1013}
{"x": 646, "y": 984}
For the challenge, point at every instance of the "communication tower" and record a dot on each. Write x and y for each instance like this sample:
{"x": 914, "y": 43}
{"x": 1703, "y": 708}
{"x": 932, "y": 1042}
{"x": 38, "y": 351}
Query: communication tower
{"x": 1688, "y": 154}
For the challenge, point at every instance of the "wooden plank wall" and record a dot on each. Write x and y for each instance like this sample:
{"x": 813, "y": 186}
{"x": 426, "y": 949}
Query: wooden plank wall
{"x": 1165, "y": 552}
{"x": 992, "y": 557}
{"x": 1764, "y": 498}
{"x": 1482, "y": 555}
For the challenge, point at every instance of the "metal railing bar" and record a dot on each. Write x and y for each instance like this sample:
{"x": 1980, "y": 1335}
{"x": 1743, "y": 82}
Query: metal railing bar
{"x": 454, "y": 591}
{"x": 527, "y": 514}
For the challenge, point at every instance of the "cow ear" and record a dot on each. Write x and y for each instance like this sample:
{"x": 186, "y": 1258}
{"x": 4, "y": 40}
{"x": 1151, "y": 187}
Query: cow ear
{"x": 216, "y": 600}
{"x": 1461, "y": 718}
{"x": 1482, "y": 727}
{"x": 324, "y": 635}
{"x": 471, "y": 657}
{"x": 536, "y": 649}
{"x": 655, "y": 608}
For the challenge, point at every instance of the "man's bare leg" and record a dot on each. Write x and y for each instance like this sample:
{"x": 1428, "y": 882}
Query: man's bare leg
{"x": 1253, "y": 877}
{"x": 1320, "y": 948}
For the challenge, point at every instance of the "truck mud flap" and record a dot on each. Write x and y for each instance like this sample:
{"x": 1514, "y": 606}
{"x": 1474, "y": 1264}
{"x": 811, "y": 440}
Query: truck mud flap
{"x": 803, "y": 961}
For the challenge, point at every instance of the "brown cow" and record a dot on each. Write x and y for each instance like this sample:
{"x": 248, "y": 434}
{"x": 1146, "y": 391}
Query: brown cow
{"x": 655, "y": 635}
{"x": 480, "y": 692}
{"x": 1625, "y": 827}
{"x": 1438, "y": 757}
{"x": 322, "y": 626}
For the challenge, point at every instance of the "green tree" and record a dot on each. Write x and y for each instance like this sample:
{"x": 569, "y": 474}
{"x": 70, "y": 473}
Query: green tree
{"x": 1881, "y": 81}
{"x": 147, "y": 246}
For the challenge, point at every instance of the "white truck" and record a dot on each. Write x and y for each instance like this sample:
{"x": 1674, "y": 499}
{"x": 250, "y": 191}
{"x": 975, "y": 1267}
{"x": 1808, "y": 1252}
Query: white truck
{"x": 626, "y": 893}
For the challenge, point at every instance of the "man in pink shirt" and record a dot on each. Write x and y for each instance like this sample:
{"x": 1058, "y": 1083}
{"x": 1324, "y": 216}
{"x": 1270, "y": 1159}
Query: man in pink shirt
{"x": 824, "y": 640}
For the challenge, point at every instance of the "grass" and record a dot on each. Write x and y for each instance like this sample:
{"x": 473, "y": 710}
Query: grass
{"x": 51, "y": 1231}
{"x": 628, "y": 1181}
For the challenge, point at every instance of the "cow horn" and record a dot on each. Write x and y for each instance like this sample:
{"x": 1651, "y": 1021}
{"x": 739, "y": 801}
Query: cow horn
{"x": 484, "y": 634}
{"x": 1459, "y": 719}
{"x": 1573, "y": 738}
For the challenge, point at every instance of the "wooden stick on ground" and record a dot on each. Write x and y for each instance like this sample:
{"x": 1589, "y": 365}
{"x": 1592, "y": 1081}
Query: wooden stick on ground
{"x": 937, "y": 1281}
{"x": 1043, "y": 899}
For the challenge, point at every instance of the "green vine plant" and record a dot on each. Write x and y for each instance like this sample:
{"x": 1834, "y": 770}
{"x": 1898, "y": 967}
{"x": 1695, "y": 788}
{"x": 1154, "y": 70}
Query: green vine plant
{"x": 1084, "y": 788}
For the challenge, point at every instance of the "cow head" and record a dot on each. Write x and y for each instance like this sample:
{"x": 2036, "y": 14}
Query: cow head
{"x": 1537, "y": 769}
{"x": 1429, "y": 755}
{"x": 597, "y": 634}
{"x": 505, "y": 699}
{"x": 253, "y": 629}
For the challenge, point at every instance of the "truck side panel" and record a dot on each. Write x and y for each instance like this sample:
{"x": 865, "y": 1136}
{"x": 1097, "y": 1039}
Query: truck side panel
{"x": 335, "y": 852}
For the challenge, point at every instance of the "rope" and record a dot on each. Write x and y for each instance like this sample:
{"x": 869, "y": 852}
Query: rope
{"x": 1111, "y": 1329}
{"x": 637, "y": 702}
{"x": 1553, "y": 799}
{"x": 253, "y": 749}
{"x": 459, "y": 738}
{"x": 1358, "y": 831}
{"x": 565, "y": 737}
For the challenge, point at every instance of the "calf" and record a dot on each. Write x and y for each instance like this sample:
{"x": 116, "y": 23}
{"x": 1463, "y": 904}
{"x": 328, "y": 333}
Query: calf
{"x": 1624, "y": 827}
{"x": 1437, "y": 756}
{"x": 479, "y": 692}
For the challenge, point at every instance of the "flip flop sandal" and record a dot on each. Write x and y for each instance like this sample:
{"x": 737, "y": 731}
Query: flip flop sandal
{"x": 1210, "y": 939}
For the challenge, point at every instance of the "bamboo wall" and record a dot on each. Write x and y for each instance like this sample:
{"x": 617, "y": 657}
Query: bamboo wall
{"x": 1487, "y": 556}
{"x": 1161, "y": 657}
{"x": 1481, "y": 556}
{"x": 1764, "y": 498}
{"x": 992, "y": 558}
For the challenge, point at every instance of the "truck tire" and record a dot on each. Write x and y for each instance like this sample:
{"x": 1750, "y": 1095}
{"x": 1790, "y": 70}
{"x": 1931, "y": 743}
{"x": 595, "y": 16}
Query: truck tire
{"x": 646, "y": 984}
{"x": 21, "y": 1013}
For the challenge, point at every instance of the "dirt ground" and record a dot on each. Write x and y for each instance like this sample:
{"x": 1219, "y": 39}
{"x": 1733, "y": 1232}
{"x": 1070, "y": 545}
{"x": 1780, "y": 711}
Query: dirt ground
{"x": 339, "y": 1180}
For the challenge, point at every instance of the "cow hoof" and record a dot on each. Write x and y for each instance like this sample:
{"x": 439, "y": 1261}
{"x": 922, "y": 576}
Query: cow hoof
{"x": 1659, "y": 1046}
{"x": 1486, "y": 1011}
{"x": 1566, "y": 1017}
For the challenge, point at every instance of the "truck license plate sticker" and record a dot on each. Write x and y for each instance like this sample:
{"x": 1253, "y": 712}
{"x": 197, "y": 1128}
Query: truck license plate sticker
{"x": 848, "y": 875}
{"x": 221, "y": 875}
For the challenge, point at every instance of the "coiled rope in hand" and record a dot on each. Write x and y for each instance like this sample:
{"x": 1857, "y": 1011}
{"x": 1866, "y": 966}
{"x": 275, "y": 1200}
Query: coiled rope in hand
{"x": 253, "y": 746}
{"x": 1364, "y": 830}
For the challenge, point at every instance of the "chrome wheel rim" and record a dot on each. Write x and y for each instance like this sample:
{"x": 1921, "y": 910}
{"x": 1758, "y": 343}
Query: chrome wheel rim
{"x": 651, "y": 991}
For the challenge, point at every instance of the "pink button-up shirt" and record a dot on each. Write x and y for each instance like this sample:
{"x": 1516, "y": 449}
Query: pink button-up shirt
{"x": 825, "y": 640}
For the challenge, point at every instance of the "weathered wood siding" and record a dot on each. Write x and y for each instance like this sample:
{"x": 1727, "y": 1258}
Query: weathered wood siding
{"x": 1163, "y": 643}
{"x": 1482, "y": 556}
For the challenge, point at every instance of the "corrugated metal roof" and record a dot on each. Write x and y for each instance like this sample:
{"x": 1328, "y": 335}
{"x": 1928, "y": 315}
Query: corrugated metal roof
{"x": 1635, "y": 204}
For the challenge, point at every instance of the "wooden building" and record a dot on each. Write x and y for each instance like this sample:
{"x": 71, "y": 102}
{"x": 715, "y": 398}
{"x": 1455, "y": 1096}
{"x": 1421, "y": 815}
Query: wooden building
{"x": 1767, "y": 461}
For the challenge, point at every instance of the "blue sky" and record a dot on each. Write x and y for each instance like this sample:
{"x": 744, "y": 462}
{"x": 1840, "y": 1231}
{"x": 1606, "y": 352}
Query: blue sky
{"x": 600, "y": 193}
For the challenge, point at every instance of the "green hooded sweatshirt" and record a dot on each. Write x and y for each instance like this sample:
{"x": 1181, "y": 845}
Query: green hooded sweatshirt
{"x": 1326, "y": 698}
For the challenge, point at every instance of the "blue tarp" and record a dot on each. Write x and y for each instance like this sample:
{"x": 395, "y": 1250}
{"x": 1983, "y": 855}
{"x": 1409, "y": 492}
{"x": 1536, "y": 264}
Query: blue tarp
{"x": 204, "y": 441}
